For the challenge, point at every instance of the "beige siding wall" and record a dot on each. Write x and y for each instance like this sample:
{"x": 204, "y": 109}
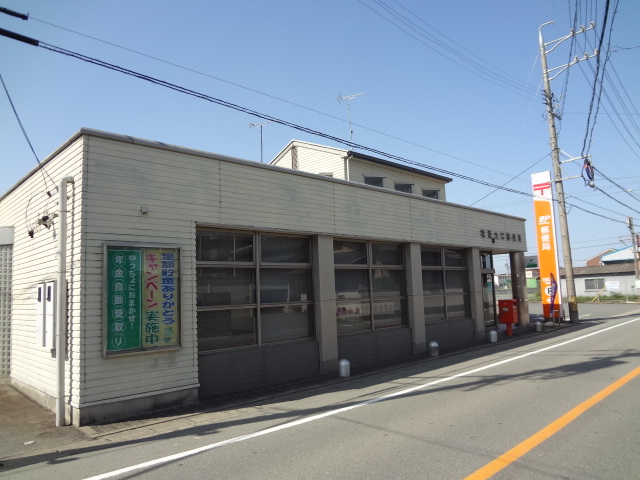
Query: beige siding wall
{"x": 319, "y": 159}
{"x": 360, "y": 169}
{"x": 122, "y": 178}
{"x": 35, "y": 261}
{"x": 182, "y": 189}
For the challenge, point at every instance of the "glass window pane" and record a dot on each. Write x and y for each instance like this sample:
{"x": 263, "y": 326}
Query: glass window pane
{"x": 226, "y": 329}
{"x": 434, "y": 308}
{"x": 225, "y": 286}
{"x": 431, "y": 256}
{"x": 432, "y": 282}
{"x": 353, "y": 316}
{"x": 387, "y": 254}
{"x": 457, "y": 281}
{"x": 375, "y": 181}
{"x": 455, "y": 258}
{"x": 388, "y": 313}
{"x": 280, "y": 285}
{"x": 286, "y": 323}
{"x": 388, "y": 283}
{"x": 404, "y": 187}
{"x": 275, "y": 248}
{"x": 486, "y": 260}
{"x": 458, "y": 306}
{"x": 224, "y": 246}
{"x": 352, "y": 284}
{"x": 349, "y": 253}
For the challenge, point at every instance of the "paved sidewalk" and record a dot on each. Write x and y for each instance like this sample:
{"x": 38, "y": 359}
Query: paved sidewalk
{"x": 28, "y": 433}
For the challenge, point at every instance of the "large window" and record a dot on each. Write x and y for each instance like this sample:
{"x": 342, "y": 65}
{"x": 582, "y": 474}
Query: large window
{"x": 594, "y": 283}
{"x": 370, "y": 285}
{"x": 445, "y": 282}
{"x": 252, "y": 289}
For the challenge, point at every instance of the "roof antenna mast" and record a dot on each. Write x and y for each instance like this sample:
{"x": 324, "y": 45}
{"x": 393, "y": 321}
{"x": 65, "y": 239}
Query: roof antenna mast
{"x": 260, "y": 125}
{"x": 348, "y": 99}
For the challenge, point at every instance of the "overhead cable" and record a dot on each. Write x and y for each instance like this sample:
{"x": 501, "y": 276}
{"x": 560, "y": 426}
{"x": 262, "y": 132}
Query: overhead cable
{"x": 268, "y": 117}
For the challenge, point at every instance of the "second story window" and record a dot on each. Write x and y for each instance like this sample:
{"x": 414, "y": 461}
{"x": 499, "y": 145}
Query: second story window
{"x": 404, "y": 187}
{"x": 374, "y": 181}
{"x": 431, "y": 193}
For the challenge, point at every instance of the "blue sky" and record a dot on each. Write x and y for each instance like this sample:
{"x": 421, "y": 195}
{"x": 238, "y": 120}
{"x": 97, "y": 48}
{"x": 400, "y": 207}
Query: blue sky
{"x": 454, "y": 85}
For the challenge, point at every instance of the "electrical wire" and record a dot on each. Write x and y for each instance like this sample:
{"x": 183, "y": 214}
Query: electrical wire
{"x": 419, "y": 34}
{"x": 268, "y": 117}
{"x": 268, "y": 95}
{"x": 26, "y": 136}
{"x": 512, "y": 178}
{"x": 625, "y": 190}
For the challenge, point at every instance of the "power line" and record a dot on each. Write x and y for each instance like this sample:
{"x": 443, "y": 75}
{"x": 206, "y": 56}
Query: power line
{"x": 274, "y": 97}
{"x": 420, "y": 33}
{"x": 266, "y": 117}
{"x": 26, "y": 136}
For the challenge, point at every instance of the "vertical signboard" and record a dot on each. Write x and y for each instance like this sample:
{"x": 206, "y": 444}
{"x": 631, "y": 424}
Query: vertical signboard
{"x": 546, "y": 239}
{"x": 142, "y": 298}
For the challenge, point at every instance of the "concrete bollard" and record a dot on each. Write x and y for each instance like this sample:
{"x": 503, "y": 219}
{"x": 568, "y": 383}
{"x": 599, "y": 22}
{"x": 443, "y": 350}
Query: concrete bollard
{"x": 433, "y": 349}
{"x": 538, "y": 326}
{"x": 493, "y": 336}
{"x": 344, "y": 368}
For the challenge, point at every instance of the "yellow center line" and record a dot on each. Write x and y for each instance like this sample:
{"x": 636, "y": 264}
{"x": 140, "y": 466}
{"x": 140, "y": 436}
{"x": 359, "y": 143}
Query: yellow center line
{"x": 536, "y": 439}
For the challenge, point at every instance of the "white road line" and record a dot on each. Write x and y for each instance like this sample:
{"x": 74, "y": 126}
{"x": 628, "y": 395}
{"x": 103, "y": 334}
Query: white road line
{"x": 313, "y": 418}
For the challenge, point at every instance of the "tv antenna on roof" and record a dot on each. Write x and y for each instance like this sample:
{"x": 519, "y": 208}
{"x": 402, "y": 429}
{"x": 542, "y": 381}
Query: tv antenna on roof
{"x": 251, "y": 125}
{"x": 348, "y": 99}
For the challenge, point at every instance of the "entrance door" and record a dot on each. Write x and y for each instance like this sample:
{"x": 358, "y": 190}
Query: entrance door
{"x": 488, "y": 299}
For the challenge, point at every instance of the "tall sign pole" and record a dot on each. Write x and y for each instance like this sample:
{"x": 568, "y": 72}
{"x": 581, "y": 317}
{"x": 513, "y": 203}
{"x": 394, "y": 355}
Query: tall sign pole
{"x": 550, "y": 292}
{"x": 557, "y": 172}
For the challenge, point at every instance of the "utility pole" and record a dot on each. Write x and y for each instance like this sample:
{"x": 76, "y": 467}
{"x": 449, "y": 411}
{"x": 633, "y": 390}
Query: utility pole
{"x": 636, "y": 257}
{"x": 555, "y": 157}
{"x": 251, "y": 125}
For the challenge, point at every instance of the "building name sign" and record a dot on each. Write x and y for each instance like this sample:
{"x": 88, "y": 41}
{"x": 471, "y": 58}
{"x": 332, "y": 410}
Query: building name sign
{"x": 142, "y": 298}
{"x": 494, "y": 235}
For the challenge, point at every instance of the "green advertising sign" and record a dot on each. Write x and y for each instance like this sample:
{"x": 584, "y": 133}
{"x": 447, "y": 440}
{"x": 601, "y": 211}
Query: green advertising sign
{"x": 142, "y": 303}
{"x": 123, "y": 299}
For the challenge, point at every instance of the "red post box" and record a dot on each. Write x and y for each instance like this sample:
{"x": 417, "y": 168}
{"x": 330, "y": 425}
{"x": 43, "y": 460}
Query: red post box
{"x": 508, "y": 313}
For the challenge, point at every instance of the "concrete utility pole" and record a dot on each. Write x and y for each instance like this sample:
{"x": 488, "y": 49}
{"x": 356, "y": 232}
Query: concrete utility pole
{"x": 555, "y": 157}
{"x": 636, "y": 257}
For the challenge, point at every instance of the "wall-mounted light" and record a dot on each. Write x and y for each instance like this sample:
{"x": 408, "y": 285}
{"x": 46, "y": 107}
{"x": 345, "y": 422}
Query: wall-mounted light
{"x": 144, "y": 210}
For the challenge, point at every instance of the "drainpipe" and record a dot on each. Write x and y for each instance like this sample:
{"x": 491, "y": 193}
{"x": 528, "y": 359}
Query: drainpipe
{"x": 61, "y": 299}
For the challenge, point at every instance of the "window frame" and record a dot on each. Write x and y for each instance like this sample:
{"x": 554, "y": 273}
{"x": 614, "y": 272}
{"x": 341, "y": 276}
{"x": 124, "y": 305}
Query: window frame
{"x": 599, "y": 284}
{"x": 403, "y": 187}
{"x": 447, "y": 296}
{"x": 431, "y": 193}
{"x": 259, "y": 266}
{"x": 374, "y": 181}
{"x": 373, "y": 305}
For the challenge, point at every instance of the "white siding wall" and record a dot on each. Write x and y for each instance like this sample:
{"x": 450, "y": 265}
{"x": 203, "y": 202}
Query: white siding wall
{"x": 319, "y": 159}
{"x": 35, "y": 260}
{"x": 359, "y": 169}
{"x": 182, "y": 189}
{"x": 121, "y": 178}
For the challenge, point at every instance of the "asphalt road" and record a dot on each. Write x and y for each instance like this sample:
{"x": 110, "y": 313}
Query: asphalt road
{"x": 564, "y": 405}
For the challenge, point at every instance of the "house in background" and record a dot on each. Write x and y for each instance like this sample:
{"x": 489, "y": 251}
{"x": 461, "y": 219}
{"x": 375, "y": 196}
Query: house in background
{"x": 597, "y": 260}
{"x": 614, "y": 275}
{"x": 360, "y": 168}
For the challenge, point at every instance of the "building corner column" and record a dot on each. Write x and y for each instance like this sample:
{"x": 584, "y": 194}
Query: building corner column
{"x": 415, "y": 298}
{"x": 519, "y": 286}
{"x": 475, "y": 292}
{"x": 325, "y": 303}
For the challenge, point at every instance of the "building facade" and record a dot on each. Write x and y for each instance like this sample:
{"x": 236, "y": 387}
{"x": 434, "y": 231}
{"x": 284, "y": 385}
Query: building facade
{"x": 148, "y": 275}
